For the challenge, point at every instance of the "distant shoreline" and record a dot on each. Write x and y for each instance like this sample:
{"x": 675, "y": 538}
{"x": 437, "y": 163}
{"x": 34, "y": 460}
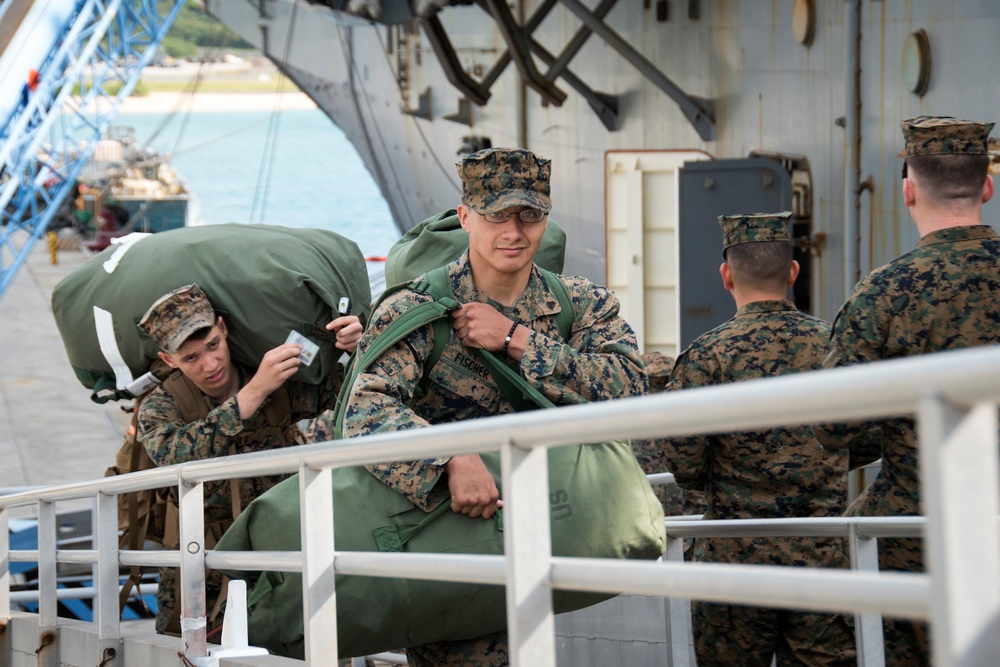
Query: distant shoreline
{"x": 166, "y": 102}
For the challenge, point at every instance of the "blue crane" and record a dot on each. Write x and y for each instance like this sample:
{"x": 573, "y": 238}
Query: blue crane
{"x": 92, "y": 53}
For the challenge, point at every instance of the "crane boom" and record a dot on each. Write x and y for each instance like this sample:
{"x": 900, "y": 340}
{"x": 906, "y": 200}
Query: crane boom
{"x": 66, "y": 104}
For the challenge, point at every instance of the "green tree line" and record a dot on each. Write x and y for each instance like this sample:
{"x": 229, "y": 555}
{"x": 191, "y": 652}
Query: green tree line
{"x": 194, "y": 32}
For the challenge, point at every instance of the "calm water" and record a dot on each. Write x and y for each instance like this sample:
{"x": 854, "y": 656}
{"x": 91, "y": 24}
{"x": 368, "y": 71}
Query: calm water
{"x": 311, "y": 178}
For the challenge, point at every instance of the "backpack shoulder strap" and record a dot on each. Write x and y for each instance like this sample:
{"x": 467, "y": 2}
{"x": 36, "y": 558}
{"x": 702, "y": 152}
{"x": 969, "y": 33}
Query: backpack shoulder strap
{"x": 518, "y": 392}
{"x": 413, "y": 319}
{"x": 438, "y": 287}
{"x": 567, "y": 314}
{"x": 278, "y": 410}
{"x": 192, "y": 406}
{"x": 189, "y": 400}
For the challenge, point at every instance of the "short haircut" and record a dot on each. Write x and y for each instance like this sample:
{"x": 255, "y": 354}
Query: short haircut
{"x": 760, "y": 266}
{"x": 950, "y": 178}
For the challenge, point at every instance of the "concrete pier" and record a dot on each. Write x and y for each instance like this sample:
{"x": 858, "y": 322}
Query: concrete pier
{"x": 50, "y": 430}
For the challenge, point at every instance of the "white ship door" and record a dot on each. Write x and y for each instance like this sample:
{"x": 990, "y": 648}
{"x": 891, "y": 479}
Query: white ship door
{"x": 642, "y": 241}
{"x": 664, "y": 242}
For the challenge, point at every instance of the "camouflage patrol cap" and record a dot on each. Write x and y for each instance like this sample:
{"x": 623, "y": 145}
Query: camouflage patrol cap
{"x": 754, "y": 228}
{"x": 945, "y": 135}
{"x": 658, "y": 367}
{"x": 176, "y": 315}
{"x": 495, "y": 179}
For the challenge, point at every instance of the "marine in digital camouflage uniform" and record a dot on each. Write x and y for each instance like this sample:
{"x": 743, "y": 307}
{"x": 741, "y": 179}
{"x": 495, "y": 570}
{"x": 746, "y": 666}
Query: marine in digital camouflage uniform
{"x": 192, "y": 340}
{"x": 648, "y": 452}
{"x": 773, "y": 473}
{"x": 509, "y": 309}
{"x": 675, "y": 500}
{"x": 943, "y": 295}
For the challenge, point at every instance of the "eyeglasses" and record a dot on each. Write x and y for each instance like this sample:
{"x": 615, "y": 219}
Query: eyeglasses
{"x": 531, "y": 215}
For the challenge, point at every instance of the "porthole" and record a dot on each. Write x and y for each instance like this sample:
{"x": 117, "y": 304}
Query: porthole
{"x": 917, "y": 62}
{"x": 804, "y": 21}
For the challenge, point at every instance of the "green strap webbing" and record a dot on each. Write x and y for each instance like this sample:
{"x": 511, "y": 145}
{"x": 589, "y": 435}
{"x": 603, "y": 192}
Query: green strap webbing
{"x": 393, "y": 538}
{"x": 436, "y": 284}
{"x": 401, "y": 327}
{"x": 521, "y": 395}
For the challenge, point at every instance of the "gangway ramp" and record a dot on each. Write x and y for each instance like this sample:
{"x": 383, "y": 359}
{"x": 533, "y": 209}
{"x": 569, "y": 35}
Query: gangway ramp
{"x": 87, "y": 56}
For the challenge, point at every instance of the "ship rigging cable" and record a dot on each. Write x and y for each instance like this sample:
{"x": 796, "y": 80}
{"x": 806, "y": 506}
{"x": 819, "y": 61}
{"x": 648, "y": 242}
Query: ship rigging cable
{"x": 349, "y": 61}
{"x": 356, "y": 77}
{"x": 271, "y": 140}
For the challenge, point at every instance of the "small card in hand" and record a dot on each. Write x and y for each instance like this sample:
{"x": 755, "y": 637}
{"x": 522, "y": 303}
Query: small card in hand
{"x": 309, "y": 348}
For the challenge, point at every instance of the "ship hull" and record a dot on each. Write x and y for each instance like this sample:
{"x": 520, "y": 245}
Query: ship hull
{"x": 769, "y": 93}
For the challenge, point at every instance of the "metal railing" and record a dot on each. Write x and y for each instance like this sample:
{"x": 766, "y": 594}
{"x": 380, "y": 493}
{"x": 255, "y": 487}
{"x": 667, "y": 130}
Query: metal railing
{"x": 861, "y": 533}
{"x": 953, "y": 396}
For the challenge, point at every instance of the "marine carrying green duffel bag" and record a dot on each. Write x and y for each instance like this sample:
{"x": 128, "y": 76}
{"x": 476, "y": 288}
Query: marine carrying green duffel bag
{"x": 601, "y": 507}
{"x": 440, "y": 239}
{"x": 266, "y": 280}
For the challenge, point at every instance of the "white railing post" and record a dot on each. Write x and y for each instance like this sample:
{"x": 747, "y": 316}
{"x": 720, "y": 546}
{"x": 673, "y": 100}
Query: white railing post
{"x": 960, "y": 473}
{"x": 106, "y": 607}
{"x": 4, "y": 564}
{"x": 528, "y": 546}
{"x": 5, "y": 643}
{"x": 192, "y": 575}
{"x": 678, "y": 612}
{"x": 867, "y": 626}
{"x": 318, "y": 581}
{"x": 48, "y": 633}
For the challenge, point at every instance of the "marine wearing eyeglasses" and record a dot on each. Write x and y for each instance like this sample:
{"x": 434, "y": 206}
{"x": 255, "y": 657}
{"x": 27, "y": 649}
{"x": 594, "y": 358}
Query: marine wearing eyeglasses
{"x": 529, "y": 215}
{"x": 508, "y": 308}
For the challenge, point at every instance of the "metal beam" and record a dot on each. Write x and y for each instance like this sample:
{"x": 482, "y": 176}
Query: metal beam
{"x": 519, "y": 49}
{"x": 528, "y": 28}
{"x": 575, "y": 44}
{"x": 958, "y": 459}
{"x": 700, "y": 112}
{"x": 604, "y": 105}
{"x": 445, "y": 52}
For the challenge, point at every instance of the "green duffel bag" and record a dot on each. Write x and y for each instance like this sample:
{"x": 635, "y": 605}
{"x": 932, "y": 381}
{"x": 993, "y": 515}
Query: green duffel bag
{"x": 266, "y": 280}
{"x": 440, "y": 239}
{"x": 601, "y": 507}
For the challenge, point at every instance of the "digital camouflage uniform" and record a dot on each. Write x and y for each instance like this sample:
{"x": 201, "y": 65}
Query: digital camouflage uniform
{"x": 773, "y": 473}
{"x": 647, "y": 452}
{"x": 168, "y": 439}
{"x": 675, "y": 500}
{"x": 944, "y": 295}
{"x": 599, "y": 362}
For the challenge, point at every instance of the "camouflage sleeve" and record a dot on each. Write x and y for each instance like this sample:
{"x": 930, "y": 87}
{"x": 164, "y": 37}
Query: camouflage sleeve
{"x": 380, "y": 398}
{"x": 601, "y": 361}
{"x": 169, "y": 440}
{"x": 856, "y": 338}
{"x": 689, "y": 458}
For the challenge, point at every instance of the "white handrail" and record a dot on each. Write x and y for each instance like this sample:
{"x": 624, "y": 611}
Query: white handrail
{"x": 961, "y": 381}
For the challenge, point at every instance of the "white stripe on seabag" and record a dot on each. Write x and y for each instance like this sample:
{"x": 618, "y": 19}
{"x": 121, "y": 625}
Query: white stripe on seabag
{"x": 123, "y": 243}
{"x": 104, "y": 323}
